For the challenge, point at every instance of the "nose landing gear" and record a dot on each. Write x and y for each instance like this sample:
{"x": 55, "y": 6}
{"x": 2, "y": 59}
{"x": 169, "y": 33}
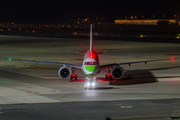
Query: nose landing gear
{"x": 90, "y": 82}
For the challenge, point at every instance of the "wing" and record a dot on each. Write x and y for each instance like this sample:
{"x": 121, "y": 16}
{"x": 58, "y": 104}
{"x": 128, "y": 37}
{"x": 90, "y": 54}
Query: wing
{"x": 129, "y": 63}
{"x": 39, "y": 61}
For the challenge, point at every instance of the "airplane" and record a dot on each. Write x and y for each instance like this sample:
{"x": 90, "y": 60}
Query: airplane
{"x": 90, "y": 65}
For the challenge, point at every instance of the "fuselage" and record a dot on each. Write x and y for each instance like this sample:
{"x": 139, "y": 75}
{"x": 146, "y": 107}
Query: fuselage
{"x": 90, "y": 64}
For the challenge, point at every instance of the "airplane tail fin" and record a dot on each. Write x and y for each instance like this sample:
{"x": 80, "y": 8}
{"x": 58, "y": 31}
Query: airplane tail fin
{"x": 91, "y": 41}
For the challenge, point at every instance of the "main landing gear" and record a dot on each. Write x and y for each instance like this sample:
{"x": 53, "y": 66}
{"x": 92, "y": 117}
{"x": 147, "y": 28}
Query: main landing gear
{"x": 108, "y": 77}
{"x": 73, "y": 75}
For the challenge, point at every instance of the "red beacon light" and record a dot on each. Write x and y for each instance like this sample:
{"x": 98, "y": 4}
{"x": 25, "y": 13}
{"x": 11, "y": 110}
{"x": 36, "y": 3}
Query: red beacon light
{"x": 172, "y": 59}
{"x": 91, "y": 56}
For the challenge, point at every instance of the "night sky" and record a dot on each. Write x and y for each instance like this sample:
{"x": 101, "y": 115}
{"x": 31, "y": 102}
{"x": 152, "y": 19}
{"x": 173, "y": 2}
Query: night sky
{"x": 49, "y": 11}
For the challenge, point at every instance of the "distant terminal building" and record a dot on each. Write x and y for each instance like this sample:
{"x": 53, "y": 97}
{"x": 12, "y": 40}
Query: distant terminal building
{"x": 147, "y": 21}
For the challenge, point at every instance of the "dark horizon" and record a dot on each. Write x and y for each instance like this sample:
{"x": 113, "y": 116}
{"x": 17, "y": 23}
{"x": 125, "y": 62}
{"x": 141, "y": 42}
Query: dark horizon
{"x": 45, "y": 11}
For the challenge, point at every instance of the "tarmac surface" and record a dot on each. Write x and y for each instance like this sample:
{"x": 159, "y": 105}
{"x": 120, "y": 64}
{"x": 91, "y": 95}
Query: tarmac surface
{"x": 34, "y": 91}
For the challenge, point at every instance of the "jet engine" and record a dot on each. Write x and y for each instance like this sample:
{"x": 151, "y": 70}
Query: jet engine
{"x": 64, "y": 72}
{"x": 117, "y": 72}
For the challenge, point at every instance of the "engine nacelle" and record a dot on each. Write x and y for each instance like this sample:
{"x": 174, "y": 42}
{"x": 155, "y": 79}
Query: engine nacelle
{"x": 65, "y": 72}
{"x": 117, "y": 72}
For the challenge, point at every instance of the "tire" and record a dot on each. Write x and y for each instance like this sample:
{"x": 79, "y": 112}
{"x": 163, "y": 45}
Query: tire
{"x": 110, "y": 78}
{"x": 75, "y": 77}
{"x": 71, "y": 78}
{"x": 106, "y": 77}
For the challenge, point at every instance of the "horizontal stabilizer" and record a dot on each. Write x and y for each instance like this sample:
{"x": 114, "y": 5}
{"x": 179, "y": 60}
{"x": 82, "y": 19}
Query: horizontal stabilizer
{"x": 107, "y": 51}
{"x": 75, "y": 52}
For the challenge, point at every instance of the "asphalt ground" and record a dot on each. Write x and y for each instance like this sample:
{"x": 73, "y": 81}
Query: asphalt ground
{"x": 34, "y": 91}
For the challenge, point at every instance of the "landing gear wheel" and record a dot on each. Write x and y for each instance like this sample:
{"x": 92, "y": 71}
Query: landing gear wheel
{"x": 75, "y": 77}
{"x": 110, "y": 78}
{"x": 106, "y": 77}
{"x": 71, "y": 77}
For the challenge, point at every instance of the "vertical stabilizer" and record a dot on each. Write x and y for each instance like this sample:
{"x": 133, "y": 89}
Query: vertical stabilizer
{"x": 91, "y": 41}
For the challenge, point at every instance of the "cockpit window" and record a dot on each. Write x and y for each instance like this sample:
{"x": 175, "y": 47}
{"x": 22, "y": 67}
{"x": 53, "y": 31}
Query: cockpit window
{"x": 90, "y": 63}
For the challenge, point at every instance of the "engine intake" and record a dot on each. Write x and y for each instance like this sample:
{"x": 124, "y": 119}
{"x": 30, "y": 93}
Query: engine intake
{"x": 65, "y": 72}
{"x": 117, "y": 72}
